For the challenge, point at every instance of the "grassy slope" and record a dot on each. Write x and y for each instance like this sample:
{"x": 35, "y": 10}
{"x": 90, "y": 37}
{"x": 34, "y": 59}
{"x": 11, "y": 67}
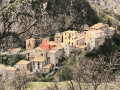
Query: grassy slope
{"x": 42, "y": 85}
{"x": 62, "y": 86}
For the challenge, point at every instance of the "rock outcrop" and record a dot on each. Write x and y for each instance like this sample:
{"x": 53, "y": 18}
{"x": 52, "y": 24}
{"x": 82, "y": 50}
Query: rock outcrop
{"x": 111, "y": 5}
{"x": 23, "y": 19}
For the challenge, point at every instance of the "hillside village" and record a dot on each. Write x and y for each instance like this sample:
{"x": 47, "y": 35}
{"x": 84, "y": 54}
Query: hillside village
{"x": 46, "y": 57}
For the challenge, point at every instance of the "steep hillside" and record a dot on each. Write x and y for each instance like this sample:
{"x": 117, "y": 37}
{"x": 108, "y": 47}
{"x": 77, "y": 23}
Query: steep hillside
{"x": 22, "y": 19}
{"x": 107, "y": 10}
{"x": 111, "y": 5}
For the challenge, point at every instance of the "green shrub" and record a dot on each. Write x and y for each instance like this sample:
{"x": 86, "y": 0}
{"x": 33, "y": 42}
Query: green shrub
{"x": 12, "y": 1}
{"x": 116, "y": 39}
{"x": 48, "y": 79}
{"x": 72, "y": 62}
{"x": 14, "y": 62}
{"x": 65, "y": 74}
{"x": 114, "y": 48}
{"x": 52, "y": 38}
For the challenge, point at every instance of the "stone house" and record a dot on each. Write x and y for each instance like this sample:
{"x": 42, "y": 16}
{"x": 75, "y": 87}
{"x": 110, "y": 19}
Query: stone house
{"x": 55, "y": 55}
{"x": 24, "y": 65}
{"x": 99, "y": 26}
{"x": 39, "y": 52}
{"x": 110, "y": 32}
{"x": 94, "y": 39}
{"x": 67, "y": 49}
{"x": 30, "y": 43}
{"x": 80, "y": 39}
{"x": 30, "y": 54}
{"x": 58, "y": 37}
{"x": 47, "y": 68}
{"x": 38, "y": 64}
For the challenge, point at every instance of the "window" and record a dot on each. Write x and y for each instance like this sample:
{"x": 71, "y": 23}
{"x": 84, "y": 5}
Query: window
{"x": 65, "y": 33}
{"x": 41, "y": 54}
{"x": 65, "y": 38}
{"x": 33, "y": 63}
{"x": 38, "y": 63}
{"x": 45, "y": 62}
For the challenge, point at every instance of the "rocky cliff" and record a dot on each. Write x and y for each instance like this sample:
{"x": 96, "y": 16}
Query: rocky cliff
{"x": 22, "y": 19}
{"x": 111, "y": 5}
{"x": 107, "y": 10}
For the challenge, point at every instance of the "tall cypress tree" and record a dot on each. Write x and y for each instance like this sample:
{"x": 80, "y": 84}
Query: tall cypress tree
{"x": 109, "y": 22}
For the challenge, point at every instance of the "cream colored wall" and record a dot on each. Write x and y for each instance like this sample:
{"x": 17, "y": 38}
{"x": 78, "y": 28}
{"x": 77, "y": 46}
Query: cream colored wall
{"x": 55, "y": 57}
{"x": 109, "y": 33}
{"x": 80, "y": 42}
{"x": 67, "y": 50}
{"x": 41, "y": 64}
{"x": 58, "y": 39}
{"x": 24, "y": 67}
{"x": 66, "y": 38}
{"x": 30, "y": 44}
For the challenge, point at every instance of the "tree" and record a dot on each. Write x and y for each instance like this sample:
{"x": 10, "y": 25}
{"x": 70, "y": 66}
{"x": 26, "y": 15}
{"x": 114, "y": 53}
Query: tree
{"x": 90, "y": 72}
{"x": 20, "y": 82}
{"x": 109, "y": 22}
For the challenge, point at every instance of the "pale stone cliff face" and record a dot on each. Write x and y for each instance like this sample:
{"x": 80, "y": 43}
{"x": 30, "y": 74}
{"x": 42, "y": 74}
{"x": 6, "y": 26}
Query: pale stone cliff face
{"x": 111, "y": 5}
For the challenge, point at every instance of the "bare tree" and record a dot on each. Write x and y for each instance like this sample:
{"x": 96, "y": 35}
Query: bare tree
{"x": 20, "y": 82}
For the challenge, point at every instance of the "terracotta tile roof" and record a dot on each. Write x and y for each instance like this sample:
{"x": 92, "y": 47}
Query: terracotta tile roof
{"x": 49, "y": 65}
{"x": 94, "y": 31}
{"x": 22, "y": 62}
{"x": 58, "y": 47}
{"x": 71, "y": 31}
{"x": 97, "y": 26}
{"x": 82, "y": 46}
{"x": 41, "y": 59}
{"x": 97, "y": 31}
{"x": 89, "y": 33}
{"x": 28, "y": 51}
{"x": 58, "y": 35}
{"x": 10, "y": 68}
{"x": 111, "y": 28}
{"x": 16, "y": 50}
